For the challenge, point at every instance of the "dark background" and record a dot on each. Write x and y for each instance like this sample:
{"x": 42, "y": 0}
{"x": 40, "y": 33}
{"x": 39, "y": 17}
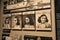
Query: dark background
{"x": 57, "y": 12}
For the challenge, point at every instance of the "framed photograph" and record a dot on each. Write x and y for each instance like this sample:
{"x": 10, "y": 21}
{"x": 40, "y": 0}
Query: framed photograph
{"x": 28, "y": 20}
{"x": 7, "y": 21}
{"x": 44, "y": 20}
{"x": 16, "y": 21}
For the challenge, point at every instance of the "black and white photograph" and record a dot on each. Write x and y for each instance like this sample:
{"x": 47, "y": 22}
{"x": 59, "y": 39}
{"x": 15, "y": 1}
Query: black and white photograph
{"x": 28, "y": 20}
{"x": 16, "y": 21}
{"x": 43, "y": 20}
{"x": 7, "y": 22}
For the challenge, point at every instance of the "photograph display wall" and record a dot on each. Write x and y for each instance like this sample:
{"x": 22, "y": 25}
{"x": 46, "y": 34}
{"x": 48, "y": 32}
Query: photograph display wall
{"x": 30, "y": 17}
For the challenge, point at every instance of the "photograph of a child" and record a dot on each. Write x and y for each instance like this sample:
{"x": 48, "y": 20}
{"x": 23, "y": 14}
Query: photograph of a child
{"x": 43, "y": 21}
{"x": 28, "y": 21}
{"x": 16, "y": 22}
{"x": 6, "y": 22}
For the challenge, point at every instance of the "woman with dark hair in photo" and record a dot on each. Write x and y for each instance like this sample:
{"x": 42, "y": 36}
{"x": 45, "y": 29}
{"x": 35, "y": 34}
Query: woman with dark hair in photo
{"x": 16, "y": 23}
{"x": 43, "y": 22}
{"x": 7, "y": 23}
{"x": 28, "y": 23}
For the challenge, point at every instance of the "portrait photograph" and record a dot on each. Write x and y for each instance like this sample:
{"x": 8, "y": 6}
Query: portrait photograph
{"x": 16, "y": 21}
{"x": 7, "y": 22}
{"x": 28, "y": 20}
{"x": 43, "y": 20}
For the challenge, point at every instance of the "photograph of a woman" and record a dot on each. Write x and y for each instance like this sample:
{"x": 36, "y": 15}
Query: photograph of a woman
{"x": 43, "y": 20}
{"x": 16, "y": 22}
{"x": 28, "y": 21}
{"x": 7, "y": 23}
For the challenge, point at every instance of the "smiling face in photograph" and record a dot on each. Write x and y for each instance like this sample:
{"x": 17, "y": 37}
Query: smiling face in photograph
{"x": 43, "y": 19}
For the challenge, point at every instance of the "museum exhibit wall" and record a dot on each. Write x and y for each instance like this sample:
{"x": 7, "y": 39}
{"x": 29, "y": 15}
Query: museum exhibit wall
{"x": 28, "y": 20}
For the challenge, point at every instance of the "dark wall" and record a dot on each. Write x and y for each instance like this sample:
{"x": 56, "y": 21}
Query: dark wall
{"x": 57, "y": 10}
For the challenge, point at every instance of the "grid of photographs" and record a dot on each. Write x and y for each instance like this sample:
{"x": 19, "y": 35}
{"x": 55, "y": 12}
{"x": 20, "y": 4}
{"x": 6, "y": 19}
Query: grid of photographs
{"x": 39, "y": 20}
{"x": 29, "y": 37}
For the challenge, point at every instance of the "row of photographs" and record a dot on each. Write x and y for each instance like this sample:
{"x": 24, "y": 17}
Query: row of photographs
{"x": 39, "y": 20}
{"x": 29, "y": 4}
{"x": 27, "y": 37}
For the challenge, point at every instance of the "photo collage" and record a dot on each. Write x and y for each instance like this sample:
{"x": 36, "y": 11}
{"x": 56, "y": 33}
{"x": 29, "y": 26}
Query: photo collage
{"x": 31, "y": 20}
